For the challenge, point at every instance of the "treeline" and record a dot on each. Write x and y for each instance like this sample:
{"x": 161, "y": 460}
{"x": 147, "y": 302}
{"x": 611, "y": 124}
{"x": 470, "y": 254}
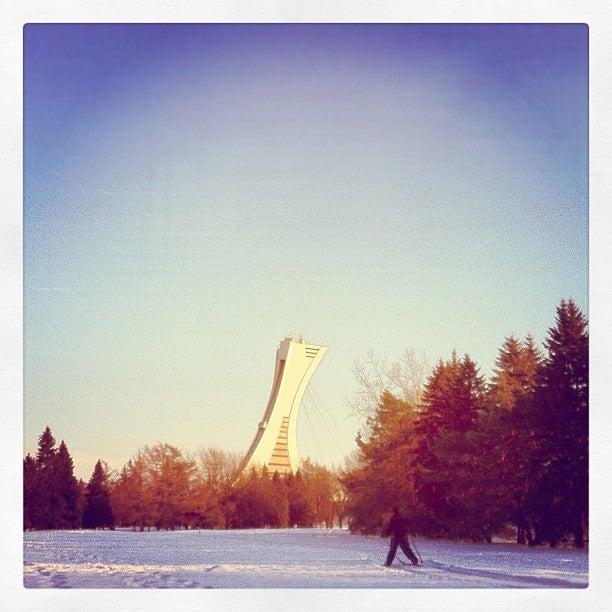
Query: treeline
{"x": 471, "y": 458}
{"x": 161, "y": 488}
{"x": 52, "y": 496}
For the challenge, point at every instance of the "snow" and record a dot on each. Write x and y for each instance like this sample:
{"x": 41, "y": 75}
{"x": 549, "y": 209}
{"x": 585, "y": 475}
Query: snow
{"x": 323, "y": 558}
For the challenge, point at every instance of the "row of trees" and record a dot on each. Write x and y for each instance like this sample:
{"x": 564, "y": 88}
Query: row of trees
{"x": 470, "y": 457}
{"x": 161, "y": 488}
{"x": 463, "y": 457}
{"x": 54, "y": 499}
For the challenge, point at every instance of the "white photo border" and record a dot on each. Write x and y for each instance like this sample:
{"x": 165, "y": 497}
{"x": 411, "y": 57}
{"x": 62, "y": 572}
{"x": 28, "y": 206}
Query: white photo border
{"x": 598, "y": 17}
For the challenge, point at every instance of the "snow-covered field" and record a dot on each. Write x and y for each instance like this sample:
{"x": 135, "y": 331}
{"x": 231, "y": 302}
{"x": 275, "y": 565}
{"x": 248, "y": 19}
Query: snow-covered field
{"x": 283, "y": 558}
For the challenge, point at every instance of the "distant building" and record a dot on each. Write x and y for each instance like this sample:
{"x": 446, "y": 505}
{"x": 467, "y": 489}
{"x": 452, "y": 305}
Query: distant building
{"x": 275, "y": 443}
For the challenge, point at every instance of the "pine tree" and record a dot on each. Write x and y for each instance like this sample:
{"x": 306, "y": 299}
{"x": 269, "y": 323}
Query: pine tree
{"x": 46, "y": 449}
{"x": 81, "y": 490}
{"x": 269, "y": 499}
{"x": 301, "y": 513}
{"x": 437, "y": 398}
{"x": 98, "y": 512}
{"x": 68, "y": 488}
{"x": 445, "y": 461}
{"x": 563, "y": 404}
{"x": 530, "y": 365}
{"x": 280, "y": 500}
{"x": 50, "y": 503}
{"x": 507, "y": 436}
{"x": 31, "y": 494}
{"x": 516, "y": 372}
{"x": 468, "y": 396}
{"x": 383, "y": 475}
{"x": 475, "y": 459}
{"x": 251, "y": 504}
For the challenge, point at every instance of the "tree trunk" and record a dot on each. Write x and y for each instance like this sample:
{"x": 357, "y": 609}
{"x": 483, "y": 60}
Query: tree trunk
{"x": 538, "y": 537}
{"x": 579, "y": 533}
{"x": 520, "y": 535}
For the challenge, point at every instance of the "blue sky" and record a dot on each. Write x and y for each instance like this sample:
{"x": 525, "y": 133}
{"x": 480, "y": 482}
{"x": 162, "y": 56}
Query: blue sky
{"x": 194, "y": 193}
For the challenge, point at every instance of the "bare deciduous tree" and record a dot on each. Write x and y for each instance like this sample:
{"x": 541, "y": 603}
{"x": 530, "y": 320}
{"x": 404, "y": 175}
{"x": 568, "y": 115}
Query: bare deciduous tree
{"x": 218, "y": 468}
{"x": 403, "y": 378}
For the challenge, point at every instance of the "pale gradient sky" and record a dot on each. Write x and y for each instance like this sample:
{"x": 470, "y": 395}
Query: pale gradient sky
{"x": 192, "y": 193}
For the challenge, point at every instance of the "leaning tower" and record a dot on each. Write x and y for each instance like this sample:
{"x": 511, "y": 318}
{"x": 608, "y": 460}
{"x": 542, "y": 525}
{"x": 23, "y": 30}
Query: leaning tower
{"x": 275, "y": 442}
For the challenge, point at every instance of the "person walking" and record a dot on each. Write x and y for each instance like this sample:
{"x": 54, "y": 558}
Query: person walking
{"x": 398, "y": 528}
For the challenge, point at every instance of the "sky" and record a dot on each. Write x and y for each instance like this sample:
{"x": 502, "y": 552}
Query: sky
{"x": 194, "y": 193}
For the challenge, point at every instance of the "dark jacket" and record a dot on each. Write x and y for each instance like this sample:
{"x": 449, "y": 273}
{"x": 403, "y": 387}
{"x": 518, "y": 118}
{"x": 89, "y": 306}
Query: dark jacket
{"x": 398, "y": 526}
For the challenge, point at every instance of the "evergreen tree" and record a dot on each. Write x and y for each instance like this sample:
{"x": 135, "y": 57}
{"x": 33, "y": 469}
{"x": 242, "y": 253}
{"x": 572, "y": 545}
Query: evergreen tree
{"x": 280, "y": 500}
{"x": 68, "y": 488}
{"x": 516, "y": 373}
{"x": 301, "y": 512}
{"x": 50, "y": 503}
{"x": 468, "y": 397}
{"x": 507, "y": 435}
{"x": 98, "y": 512}
{"x": 530, "y": 366}
{"x": 81, "y": 490}
{"x": 46, "y": 449}
{"x": 453, "y": 397}
{"x": 474, "y": 459}
{"x": 437, "y": 405}
{"x": 563, "y": 410}
{"x": 382, "y": 476}
{"x": 31, "y": 494}
{"x": 269, "y": 499}
{"x": 445, "y": 460}
{"x": 253, "y": 503}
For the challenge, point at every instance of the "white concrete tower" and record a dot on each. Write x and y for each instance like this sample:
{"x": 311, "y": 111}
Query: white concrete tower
{"x": 275, "y": 443}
